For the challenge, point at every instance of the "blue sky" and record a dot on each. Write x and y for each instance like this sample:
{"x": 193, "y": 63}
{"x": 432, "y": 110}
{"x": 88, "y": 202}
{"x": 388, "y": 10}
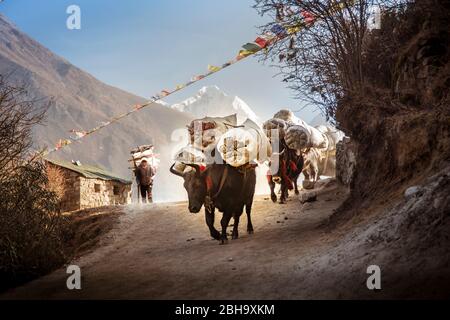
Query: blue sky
{"x": 144, "y": 46}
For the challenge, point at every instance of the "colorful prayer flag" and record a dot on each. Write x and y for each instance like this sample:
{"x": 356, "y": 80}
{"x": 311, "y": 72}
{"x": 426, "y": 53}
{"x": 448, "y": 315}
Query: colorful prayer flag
{"x": 196, "y": 78}
{"x": 308, "y": 16}
{"x": 293, "y": 29}
{"x": 213, "y": 68}
{"x": 62, "y": 143}
{"x": 252, "y": 47}
{"x": 165, "y": 93}
{"x": 243, "y": 53}
{"x": 266, "y": 39}
{"x": 261, "y": 42}
{"x": 279, "y": 30}
{"x": 338, "y": 5}
{"x": 78, "y": 134}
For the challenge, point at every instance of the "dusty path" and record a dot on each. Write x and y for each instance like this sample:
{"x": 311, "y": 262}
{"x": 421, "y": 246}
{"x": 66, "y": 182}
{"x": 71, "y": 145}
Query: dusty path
{"x": 163, "y": 252}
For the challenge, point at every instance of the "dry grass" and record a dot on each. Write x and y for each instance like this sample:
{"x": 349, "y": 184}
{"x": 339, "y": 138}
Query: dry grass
{"x": 56, "y": 181}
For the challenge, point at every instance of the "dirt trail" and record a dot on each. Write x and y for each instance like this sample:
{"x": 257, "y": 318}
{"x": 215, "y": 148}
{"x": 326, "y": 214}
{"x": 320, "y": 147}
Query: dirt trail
{"x": 161, "y": 251}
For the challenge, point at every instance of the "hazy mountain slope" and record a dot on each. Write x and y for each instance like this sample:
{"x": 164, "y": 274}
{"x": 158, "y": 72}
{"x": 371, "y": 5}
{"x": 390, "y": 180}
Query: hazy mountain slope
{"x": 83, "y": 102}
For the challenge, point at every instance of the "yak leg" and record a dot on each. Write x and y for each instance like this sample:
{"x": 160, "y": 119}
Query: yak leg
{"x": 284, "y": 190}
{"x": 224, "y": 223}
{"x": 286, "y": 193}
{"x": 235, "y": 233}
{"x": 209, "y": 217}
{"x": 295, "y": 185}
{"x": 248, "y": 210}
{"x": 273, "y": 196}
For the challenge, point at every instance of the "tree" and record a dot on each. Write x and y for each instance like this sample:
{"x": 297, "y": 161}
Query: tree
{"x": 323, "y": 59}
{"x": 18, "y": 115}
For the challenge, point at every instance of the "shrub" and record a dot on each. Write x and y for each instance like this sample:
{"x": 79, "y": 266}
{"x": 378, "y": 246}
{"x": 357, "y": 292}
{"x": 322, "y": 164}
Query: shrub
{"x": 31, "y": 226}
{"x": 56, "y": 180}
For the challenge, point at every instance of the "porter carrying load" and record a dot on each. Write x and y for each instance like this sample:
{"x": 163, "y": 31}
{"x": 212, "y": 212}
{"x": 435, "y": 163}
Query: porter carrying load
{"x": 145, "y": 163}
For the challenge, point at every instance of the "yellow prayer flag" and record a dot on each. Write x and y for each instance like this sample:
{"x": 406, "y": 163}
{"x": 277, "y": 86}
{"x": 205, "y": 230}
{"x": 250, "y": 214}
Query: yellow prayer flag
{"x": 244, "y": 53}
{"x": 213, "y": 68}
{"x": 293, "y": 29}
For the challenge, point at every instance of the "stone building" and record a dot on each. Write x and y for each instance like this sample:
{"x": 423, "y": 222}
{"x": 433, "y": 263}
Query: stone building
{"x": 89, "y": 187}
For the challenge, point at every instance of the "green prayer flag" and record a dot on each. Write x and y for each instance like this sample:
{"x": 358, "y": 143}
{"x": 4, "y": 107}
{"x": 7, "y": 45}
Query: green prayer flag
{"x": 252, "y": 47}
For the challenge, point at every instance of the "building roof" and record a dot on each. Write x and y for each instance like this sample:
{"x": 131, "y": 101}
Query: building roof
{"x": 88, "y": 171}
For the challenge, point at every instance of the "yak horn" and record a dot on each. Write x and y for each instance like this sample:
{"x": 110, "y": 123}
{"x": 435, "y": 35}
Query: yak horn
{"x": 279, "y": 153}
{"x": 175, "y": 172}
{"x": 195, "y": 166}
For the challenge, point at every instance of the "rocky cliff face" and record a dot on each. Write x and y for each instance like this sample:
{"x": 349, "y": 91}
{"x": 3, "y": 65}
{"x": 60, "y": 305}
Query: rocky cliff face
{"x": 397, "y": 163}
{"x": 345, "y": 161}
{"x": 406, "y": 137}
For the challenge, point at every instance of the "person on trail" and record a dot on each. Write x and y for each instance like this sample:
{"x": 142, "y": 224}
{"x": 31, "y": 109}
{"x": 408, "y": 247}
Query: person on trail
{"x": 144, "y": 175}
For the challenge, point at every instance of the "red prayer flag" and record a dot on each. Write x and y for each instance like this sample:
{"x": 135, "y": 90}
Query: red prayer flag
{"x": 261, "y": 42}
{"x": 308, "y": 16}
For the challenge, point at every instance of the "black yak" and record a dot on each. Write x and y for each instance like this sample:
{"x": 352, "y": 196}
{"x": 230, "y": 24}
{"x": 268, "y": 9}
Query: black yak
{"x": 222, "y": 187}
{"x": 290, "y": 165}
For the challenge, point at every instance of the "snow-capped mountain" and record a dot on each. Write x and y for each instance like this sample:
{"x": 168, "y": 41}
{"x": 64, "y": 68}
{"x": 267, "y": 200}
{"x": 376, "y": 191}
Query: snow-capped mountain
{"x": 211, "y": 101}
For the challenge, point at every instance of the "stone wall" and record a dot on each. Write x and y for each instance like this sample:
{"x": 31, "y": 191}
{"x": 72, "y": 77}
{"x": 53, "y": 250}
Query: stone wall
{"x": 97, "y": 193}
{"x": 124, "y": 192}
{"x": 83, "y": 193}
{"x": 71, "y": 198}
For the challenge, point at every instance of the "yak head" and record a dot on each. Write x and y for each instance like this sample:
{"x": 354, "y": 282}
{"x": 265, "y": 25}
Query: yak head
{"x": 195, "y": 185}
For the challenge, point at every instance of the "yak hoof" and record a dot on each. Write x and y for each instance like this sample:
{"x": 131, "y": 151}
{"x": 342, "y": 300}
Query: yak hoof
{"x": 216, "y": 235}
{"x": 224, "y": 239}
{"x": 297, "y": 192}
{"x": 235, "y": 236}
{"x": 250, "y": 231}
{"x": 273, "y": 197}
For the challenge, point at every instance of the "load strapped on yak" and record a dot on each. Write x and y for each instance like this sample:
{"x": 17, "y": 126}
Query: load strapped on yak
{"x": 317, "y": 144}
{"x": 222, "y": 140}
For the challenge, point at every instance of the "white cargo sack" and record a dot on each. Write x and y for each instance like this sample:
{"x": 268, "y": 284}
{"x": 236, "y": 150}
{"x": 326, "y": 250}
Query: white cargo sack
{"x": 205, "y": 133}
{"x": 275, "y": 126}
{"x": 300, "y": 137}
{"x": 333, "y": 136}
{"x": 239, "y": 146}
{"x": 289, "y": 117}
